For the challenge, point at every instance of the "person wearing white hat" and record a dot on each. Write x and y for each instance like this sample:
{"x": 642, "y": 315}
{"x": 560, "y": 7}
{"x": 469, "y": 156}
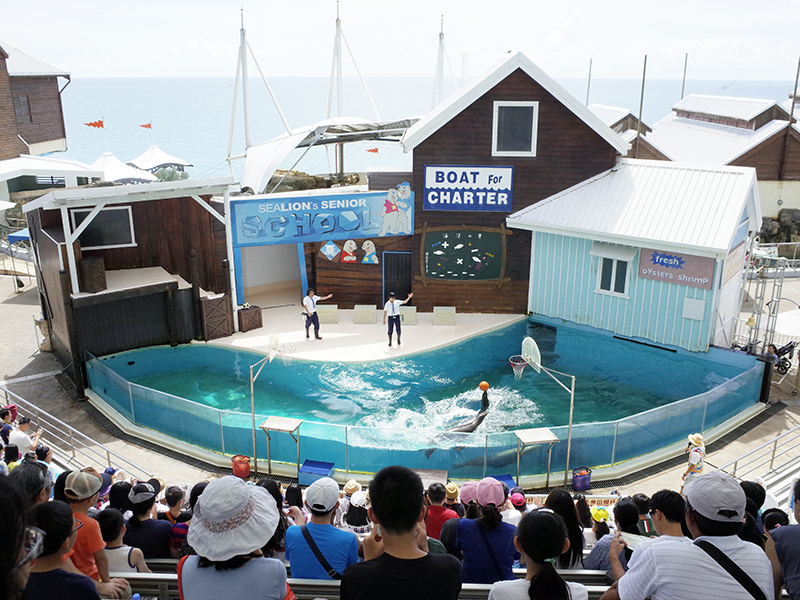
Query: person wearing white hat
{"x": 231, "y": 523}
{"x": 697, "y": 453}
{"x": 717, "y": 566}
{"x": 318, "y": 550}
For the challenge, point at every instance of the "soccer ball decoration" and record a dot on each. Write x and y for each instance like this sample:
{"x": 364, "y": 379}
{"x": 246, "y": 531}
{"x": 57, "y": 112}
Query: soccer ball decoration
{"x": 245, "y": 306}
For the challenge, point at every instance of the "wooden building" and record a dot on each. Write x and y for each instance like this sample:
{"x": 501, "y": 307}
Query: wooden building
{"x": 125, "y": 266}
{"x": 31, "y": 114}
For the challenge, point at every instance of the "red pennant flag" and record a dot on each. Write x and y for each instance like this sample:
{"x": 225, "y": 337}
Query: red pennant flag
{"x": 98, "y": 124}
{"x": 147, "y": 126}
{"x": 373, "y": 150}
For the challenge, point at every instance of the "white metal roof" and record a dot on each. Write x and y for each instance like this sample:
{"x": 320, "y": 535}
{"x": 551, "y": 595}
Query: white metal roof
{"x": 674, "y": 206}
{"x": 610, "y": 115}
{"x": 44, "y": 166}
{"x": 743, "y": 109}
{"x": 125, "y": 194}
{"x": 21, "y": 64}
{"x": 704, "y": 143}
{"x": 115, "y": 170}
{"x": 461, "y": 99}
{"x": 154, "y": 157}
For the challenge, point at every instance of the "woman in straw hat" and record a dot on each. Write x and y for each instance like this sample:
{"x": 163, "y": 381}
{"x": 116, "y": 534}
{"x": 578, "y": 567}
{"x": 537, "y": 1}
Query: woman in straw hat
{"x": 697, "y": 452}
{"x": 232, "y": 521}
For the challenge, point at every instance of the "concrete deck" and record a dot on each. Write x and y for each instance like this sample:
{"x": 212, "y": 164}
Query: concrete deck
{"x": 30, "y": 373}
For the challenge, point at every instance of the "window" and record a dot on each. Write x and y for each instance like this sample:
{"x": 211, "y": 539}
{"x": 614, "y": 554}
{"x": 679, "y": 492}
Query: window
{"x": 614, "y": 264}
{"x": 22, "y": 109}
{"x": 514, "y": 128}
{"x": 111, "y": 228}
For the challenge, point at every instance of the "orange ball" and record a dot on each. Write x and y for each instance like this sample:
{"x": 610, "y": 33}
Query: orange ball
{"x": 484, "y": 385}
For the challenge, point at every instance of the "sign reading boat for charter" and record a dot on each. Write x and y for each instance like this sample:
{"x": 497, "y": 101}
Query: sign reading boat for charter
{"x": 683, "y": 269}
{"x": 485, "y": 189}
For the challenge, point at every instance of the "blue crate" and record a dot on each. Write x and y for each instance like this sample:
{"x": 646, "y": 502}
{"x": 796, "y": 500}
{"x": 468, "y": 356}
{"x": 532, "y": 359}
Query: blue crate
{"x": 311, "y": 470}
{"x": 507, "y": 479}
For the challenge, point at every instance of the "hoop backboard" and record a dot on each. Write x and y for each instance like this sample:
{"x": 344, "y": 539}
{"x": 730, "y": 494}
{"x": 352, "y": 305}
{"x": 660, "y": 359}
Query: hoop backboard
{"x": 274, "y": 343}
{"x": 531, "y": 354}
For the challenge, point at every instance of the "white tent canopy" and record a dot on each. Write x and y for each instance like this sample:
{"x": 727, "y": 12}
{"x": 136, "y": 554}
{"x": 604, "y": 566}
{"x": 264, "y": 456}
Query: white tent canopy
{"x": 155, "y": 158}
{"x": 115, "y": 170}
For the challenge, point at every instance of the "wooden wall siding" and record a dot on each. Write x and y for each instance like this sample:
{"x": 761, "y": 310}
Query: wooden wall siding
{"x": 568, "y": 152}
{"x": 350, "y": 283}
{"x": 563, "y": 280}
{"x": 10, "y": 145}
{"x": 766, "y": 158}
{"x": 386, "y": 180}
{"x": 165, "y": 232}
{"x": 46, "y": 111}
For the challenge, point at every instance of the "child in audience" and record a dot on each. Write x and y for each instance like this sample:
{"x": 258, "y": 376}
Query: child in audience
{"x": 121, "y": 558}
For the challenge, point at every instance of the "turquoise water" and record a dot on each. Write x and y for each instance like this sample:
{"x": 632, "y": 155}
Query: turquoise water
{"x": 438, "y": 389}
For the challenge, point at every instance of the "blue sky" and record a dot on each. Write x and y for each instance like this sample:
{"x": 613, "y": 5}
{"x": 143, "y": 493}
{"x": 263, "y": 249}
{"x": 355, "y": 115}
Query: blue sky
{"x": 725, "y": 40}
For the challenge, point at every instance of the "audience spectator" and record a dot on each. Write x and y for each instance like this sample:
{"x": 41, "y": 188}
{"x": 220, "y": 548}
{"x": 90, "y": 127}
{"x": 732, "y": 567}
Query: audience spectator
{"x": 275, "y": 546}
{"x": 19, "y": 543}
{"x": 518, "y": 500}
{"x": 451, "y": 500}
{"x": 584, "y": 511}
{"x": 118, "y": 498}
{"x": 232, "y": 521}
{"x": 486, "y": 543}
{"x": 58, "y": 487}
{"x": 173, "y": 496}
{"x": 33, "y": 481}
{"x": 121, "y": 558}
{"x": 395, "y": 567}
{"x": 22, "y": 439}
{"x": 561, "y": 503}
{"x": 89, "y": 554}
{"x": 294, "y": 497}
{"x": 510, "y": 514}
{"x": 356, "y": 519}
{"x": 11, "y": 456}
{"x": 469, "y": 504}
{"x": 672, "y": 569}
{"x": 783, "y": 551}
{"x": 626, "y": 519}
{"x": 437, "y": 513}
{"x": 646, "y": 526}
{"x": 749, "y": 531}
{"x": 180, "y": 531}
{"x": 541, "y": 539}
{"x": 44, "y": 454}
{"x": 600, "y": 519}
{"x": 318, "y": 550}
{"x": 350, "y": 488}
{"x": 48, "y": 579}
{"x": 7, "y": 427}
{"x": 773, "y": 518}
{"x": 144, "y": 531}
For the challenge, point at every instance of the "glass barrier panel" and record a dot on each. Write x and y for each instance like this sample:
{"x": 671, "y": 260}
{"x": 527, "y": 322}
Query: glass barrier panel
{"x": 109, "y": 386}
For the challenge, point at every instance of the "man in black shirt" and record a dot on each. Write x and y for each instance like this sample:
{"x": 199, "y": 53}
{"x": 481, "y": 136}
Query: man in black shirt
{"x": 396, "y": 562}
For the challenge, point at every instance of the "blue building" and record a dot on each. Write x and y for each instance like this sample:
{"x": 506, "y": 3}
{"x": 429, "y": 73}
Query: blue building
{"x": 647, "y": 249}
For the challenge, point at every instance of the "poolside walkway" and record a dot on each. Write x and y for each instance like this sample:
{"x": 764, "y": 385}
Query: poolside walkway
{"x": 30, "y": 373}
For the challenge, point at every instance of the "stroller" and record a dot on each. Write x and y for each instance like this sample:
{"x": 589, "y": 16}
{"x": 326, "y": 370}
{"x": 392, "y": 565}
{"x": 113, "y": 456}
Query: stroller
{"x": 783, "y": 357}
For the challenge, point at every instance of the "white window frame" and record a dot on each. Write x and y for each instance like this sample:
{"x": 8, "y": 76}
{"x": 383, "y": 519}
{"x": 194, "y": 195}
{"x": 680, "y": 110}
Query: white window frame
{"x": 615, "y": 264}
{"x": 130, "y": 226}
{"x": 617, "y": 253}
{"x": 498, "y": 104}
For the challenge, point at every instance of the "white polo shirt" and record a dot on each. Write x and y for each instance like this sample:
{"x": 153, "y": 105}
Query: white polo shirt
{"x": 21, "y": 439}
{"x": 674, "y": 570}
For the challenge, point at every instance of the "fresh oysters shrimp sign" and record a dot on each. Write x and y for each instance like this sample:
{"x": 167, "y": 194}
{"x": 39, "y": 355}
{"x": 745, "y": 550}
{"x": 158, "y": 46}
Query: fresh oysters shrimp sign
{"x": 460, "y": 188}
{"x": 672, "y": 267}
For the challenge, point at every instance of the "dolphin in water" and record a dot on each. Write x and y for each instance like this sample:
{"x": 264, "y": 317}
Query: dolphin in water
{"x": 472, "y": 425}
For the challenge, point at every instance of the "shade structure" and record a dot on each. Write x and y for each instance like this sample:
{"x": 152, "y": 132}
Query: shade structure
{"x": 23, "y": 235}
{"x": 117, "y": 171}
{"x": 154, "y": 158}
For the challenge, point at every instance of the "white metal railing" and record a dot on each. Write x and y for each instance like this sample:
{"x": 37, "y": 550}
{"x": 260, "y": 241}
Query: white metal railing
{"x": 73, "y": 442}
{"x": 765, "y": 454}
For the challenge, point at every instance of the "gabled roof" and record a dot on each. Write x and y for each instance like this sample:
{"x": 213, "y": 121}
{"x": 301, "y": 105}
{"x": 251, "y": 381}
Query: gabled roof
{"x": 610, "y": 115}
{"x": 21, "y": 64}
{"x": 671, "y": 206}
{"x": 742, "y": 109}
{"x": 44, "y": 166}
{"x": 464, "y": 97}
{"x": 704, "y": 143}
{"x": 154, "y": 157}
{"x": 125, "y": 194}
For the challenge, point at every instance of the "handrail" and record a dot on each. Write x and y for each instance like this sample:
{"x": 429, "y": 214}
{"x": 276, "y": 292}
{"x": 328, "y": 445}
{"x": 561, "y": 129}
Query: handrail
{"x": 75, "y": 441}
{"x": 761, "y": 452}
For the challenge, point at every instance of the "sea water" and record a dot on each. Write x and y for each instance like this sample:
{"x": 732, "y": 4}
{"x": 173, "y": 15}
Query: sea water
{"x": 191, "y": 117}
{"x": 437, "y": 389}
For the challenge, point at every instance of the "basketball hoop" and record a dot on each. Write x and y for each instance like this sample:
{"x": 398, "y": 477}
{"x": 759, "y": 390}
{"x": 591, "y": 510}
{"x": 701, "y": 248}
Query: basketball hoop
{"x": 285, "y": 351}
{"x": 518, "y": 363}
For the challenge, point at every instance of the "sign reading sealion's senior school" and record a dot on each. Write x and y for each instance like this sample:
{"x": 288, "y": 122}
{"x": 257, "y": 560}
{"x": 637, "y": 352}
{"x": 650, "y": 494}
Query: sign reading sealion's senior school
{"x": 264, "y": 220}
{"x": 672, "y": 267}
{"x": 486, "y": 189}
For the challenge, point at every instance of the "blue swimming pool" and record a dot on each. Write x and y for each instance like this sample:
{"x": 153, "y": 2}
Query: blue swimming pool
{"x": 404, "y": 405}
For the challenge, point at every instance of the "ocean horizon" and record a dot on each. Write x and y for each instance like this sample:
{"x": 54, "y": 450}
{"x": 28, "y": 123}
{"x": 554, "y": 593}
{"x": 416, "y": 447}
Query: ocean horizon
{"x": 190, "y": 118}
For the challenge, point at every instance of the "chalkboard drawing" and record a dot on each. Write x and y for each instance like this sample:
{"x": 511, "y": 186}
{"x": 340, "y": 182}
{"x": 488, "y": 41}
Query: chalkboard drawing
{"x": 371, "y": 256}
{"x": 349, "y": 252}
{"x": 330, "y": 250}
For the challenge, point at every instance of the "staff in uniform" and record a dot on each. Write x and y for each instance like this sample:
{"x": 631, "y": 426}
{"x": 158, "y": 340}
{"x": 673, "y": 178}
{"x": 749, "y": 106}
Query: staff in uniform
{"x": 392, "y": 310}
{"x": 310, "y": 307}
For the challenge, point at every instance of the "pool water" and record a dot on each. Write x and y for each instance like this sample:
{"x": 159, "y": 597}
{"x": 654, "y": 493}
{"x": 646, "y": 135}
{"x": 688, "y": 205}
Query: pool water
{"x": 438, "y": 389}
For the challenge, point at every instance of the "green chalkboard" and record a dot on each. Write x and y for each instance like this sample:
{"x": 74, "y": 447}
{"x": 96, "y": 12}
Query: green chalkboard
{"x": 463, "y": 255}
